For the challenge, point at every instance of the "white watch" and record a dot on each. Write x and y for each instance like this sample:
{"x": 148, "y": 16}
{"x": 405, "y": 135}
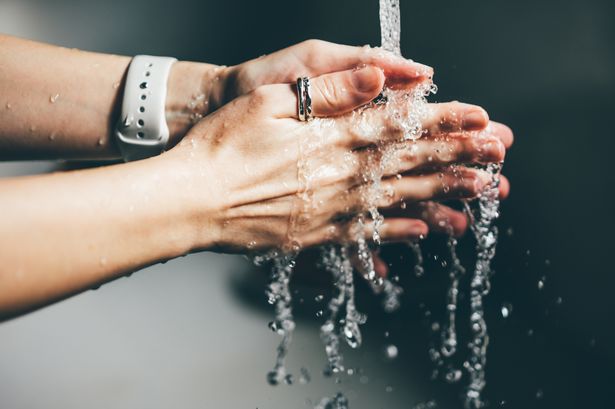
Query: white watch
{"x": 142, "y": 129}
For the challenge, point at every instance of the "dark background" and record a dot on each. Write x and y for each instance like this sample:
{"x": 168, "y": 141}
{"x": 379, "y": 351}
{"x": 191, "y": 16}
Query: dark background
{"x": 545, "y": 68}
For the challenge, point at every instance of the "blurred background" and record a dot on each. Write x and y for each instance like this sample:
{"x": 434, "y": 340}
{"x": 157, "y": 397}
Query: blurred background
{"x": 193, "y": 333}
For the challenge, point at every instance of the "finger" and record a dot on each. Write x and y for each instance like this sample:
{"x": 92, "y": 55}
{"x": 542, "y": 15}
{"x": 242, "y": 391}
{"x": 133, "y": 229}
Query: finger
{"x": 503, "y": 132}
{"x": 380, "y": 266}
{"x": 439, "y": 218}
{"x": 454, "y": 117}
{"x": 321, "y": 57}
{"x": 461, "y": 148}
{"x": 460, "y": 183}
{"x": 504, "y": 187}
{"x": 392, "y": 230}
{"x": 332, "y": 94}
{"x": 399, "y": 230}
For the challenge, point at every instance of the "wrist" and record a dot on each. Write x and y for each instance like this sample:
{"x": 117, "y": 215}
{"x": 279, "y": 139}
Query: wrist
{"x": 194, "y": 90}
{"x": 188, "y": 203}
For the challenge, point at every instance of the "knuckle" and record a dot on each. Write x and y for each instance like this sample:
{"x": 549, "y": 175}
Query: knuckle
{"x": 467, "y": 150}
{"x": 445, "y": 151}
{"x": 328, "y": 91}
{"x": 449, "y": 119}
{"x": 260, "y": 96}
{"x": 312, "y": 45}
{"x": 466, "y": 184}
{"x": 389, "y": 197}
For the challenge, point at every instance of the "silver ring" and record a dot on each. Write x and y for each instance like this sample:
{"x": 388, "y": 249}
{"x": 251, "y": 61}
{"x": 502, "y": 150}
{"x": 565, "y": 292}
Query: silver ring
{"x": 304, "y": 99}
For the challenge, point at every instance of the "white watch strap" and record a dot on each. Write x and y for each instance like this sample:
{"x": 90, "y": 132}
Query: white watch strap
{"x": 142, "y": 129}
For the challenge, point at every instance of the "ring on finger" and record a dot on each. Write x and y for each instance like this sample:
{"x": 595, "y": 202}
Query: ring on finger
{"x": 304, "y": 99}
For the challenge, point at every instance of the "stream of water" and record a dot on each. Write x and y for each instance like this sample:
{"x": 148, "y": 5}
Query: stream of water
{"x": 406, "y": 110}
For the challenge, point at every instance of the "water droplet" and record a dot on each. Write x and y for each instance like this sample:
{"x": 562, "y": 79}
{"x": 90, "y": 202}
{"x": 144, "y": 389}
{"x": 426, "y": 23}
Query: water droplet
{"x": 539, "y": 394}
{"x": 8, "y": 106}
{"x": 273, "y": 378}
{"x": 100, "y": 142}
{"x": 559, "y": 301}
{"x": 288, "y": 379}
{"x": 352, "y": 334}
{"x": 391, "y": 351}
{"x": 273, "y": 326}
{"x": 103, "y": 261}
{"x": 52, "y": 136}
{"x": 453, "y": 375}
{"x": 53, "y": 98}
{"x": 388, "y": 389}
{"x": 319, "y": 298}
{"x": 541, "y": 282}
{"x": 319, "y": 313}
{"x": 506, "y": 310}
{"x": 305, "y": 377}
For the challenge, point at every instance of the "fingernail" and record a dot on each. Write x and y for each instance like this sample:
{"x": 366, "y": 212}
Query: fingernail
{"x": 366, "y": 79}
{"x": 475, "y": 120}
{"x": 419, "y": 230}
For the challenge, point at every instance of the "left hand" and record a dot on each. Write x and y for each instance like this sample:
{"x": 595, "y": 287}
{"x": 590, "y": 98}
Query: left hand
{"x": 312, "y": 58}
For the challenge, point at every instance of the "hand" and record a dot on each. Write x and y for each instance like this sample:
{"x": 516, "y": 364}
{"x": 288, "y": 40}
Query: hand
{"x": 242, "y": 165}
{"x": 196, "y": 89}
{"x": 316, "y": 57}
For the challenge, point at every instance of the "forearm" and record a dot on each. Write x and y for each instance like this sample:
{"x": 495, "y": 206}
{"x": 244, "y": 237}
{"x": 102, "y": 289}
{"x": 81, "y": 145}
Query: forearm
{"x": 66, "y": 232}
{"x": 63, "y": 103}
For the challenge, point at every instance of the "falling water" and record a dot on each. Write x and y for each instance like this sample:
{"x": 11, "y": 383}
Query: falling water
{"x": 335, "y": 259}
{"x": 390, "y": 25}
{"x": 405, "y": 110}
{"x": 482, "y": 215}
{"x": 448, "y": 333}
{"x": 279, "y": 295}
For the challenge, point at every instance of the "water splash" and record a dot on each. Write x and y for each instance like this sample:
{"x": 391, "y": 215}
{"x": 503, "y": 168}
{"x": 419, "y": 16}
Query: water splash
{"x": 483, "y": 212}
{"x": 335, "y": 259}
{"x": 449, "y": 333}
{"x": 419, "y": 269}
{"x": 339, "y": 401}
{"x": 403, "y": 110}
{"x": 279, "y": 295}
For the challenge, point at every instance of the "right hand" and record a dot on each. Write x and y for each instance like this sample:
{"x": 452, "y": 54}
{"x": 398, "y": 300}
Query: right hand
{"x": 241, "y": 163}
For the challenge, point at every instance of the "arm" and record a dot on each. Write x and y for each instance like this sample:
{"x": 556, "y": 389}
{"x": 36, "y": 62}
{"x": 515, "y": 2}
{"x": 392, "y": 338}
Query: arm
{"x": 63, "y": 103}
{"x": 59, "y": 103}
{"x": 66, "y": 232}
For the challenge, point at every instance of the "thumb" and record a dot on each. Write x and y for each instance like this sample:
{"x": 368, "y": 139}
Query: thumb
{"x": 341, "y": 92}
